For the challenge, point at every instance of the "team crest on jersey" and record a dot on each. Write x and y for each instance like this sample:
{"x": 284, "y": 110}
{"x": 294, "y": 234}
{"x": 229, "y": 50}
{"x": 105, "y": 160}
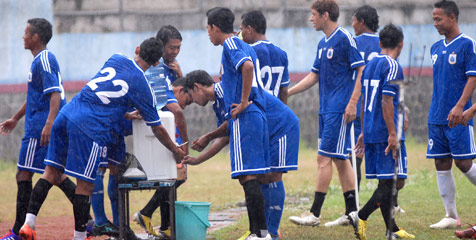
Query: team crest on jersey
{"x": 433, "y": 58}
{"x": 30, "y": 76}
{"x": 452, "y": 58}
{"x": 330, "y": 53}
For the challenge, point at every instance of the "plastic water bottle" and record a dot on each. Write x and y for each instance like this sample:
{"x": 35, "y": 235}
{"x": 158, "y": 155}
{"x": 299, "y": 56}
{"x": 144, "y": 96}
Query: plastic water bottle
{"x": 156, "y": 78}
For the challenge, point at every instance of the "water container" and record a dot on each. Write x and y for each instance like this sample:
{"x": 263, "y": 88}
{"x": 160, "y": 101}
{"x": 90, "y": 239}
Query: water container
{"x": 156, "y": 78}
{"x": 191, "y": 220}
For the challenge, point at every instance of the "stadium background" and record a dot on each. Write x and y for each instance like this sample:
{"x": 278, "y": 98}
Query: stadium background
{"x": 87, "y": 32}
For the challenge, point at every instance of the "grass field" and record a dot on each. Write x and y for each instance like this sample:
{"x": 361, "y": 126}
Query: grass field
{"x": 210, "y": 182}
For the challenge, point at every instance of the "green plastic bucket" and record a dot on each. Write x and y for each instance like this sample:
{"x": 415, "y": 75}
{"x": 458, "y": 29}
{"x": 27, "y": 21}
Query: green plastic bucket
{"x": 191, "y": 220}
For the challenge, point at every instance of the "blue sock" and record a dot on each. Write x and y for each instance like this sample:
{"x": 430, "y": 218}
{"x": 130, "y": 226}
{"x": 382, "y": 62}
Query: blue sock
{"x": 265, "y": 190}
{"x": 97, "y": 200}
{"x": 114, "y": 197}
{"x": 276, "y": 205}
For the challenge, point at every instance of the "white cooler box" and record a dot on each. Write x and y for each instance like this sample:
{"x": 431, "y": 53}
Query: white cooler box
{"x": 156, "y": 160}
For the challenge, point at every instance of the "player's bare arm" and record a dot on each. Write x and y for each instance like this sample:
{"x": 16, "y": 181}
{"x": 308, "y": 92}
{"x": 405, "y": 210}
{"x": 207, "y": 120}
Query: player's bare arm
{"x": 455, "y": 116}
{"x": 202, "y": 142}
{"x": 55, "y": 99}
{"x": 7, "y": 127}
{"x": 180, "y": 122}
{"x": 359, "y": 146}
{"x": 164, "y": 138}
{"x": 468, "y": 114}
{"x": 216, "y": 146}
{"x": 351, "y": 110}
{"x": 388, "y": 114}
{"x": 283, "y": 95}
{"x": 307, "y": 82}
{"x": 134, "y": 115}
{"x": 247, "y": 71}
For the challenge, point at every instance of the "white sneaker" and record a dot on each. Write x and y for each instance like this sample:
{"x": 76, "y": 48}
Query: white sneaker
{"x": 398, "y": 209}
{"x": 254, "y": 237}
{"x": 306, "y": 219}
{"x": 341, "y": 221}
{"x": 446, "y": 223}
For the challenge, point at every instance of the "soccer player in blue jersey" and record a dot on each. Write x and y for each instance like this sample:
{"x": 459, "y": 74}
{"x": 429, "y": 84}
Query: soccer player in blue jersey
{"x": 337, "y": 58}
{"x": 379, "y": 116}
{"x": 275, "y": 80}
{"x": 172, "y": 40}
{"x": 245, "y": 103}
{"x": 454, "y": 80}
{"x": 45, "y": 97}
{"x": 272, "y": 59}
{"x": 87, "y": 123}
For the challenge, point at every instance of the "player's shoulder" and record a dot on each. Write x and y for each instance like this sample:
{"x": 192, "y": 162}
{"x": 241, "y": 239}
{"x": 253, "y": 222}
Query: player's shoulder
{"x": 46, "y": 60}
{"x": 232, "y": 43}
{"x": 344, "y": 35}
{"x": 469, "y": 41}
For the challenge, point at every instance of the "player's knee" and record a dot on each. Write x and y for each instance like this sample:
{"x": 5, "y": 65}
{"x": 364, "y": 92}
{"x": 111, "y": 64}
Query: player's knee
{"x": 464, "y": 165}
{"x": 24, "y": 175}
{"x": 400, "y": 183}
{"x": 443, "y": 164}
{"x": 323, "y": 162}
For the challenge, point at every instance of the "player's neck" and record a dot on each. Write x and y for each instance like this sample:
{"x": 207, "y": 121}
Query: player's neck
{"x": 210, "y": 93}
{"x": 142, "y": 64}
{"x": 452, "y": 34}
{"x": 37, "y": 49}
{"x": 391, "y": 52}
{"x": 224, "y": 37}
{"x": 260, "y": 37}
{"x": 368, "y": 31}
{"x": 330, "y": 28}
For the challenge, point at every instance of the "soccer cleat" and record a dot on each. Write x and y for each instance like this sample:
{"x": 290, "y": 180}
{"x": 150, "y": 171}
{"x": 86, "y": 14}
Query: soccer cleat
{"x": 400, "y": 234}
{"x": 446, "y": 223}
{"x": 26, "y": 233}
{"x": 130, "y": 235}
{"x": 359, "y": 225}
{"x": 398, "y": 209}
{"x": 165, "y": 234}
{"x": 254, "y": 237}
{"x": 244, "y": 236}
{"x": 468, "y": 233}
{"x": 108, "y": 229}
{"x": 306, "y": 219}
{"x": 341, "y": 221}
{"x": 10, "y": 236}
{"x": 145, "y": 223}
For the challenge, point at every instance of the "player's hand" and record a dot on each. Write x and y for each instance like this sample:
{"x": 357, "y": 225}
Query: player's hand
{"x": 350, "y": 112}
{"x": 191, "y": 160}
{"x": 7, "y": 127}
{"x": 467, "y": 116}
{"x": 359, "y": 146}
{"x": 133, "y": 115}
{"x": 392, "y": 145}
{"x": 455, "y": 117}
{"x": 45, "y": 134}
{"x": 176, "y": 68}
{"x": 201, "y": 143}
{"x": 238, "y": 108}
{"x": 406, "y": 123}
{"x": 184, "y": 147}
{"x": 178, "y": 155}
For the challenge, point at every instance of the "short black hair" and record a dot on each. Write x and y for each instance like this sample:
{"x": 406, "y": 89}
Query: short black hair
{"x": 391, "y": 36}
{"x": 151, "y": 50}
{"x": 449, "y": 7}
{"x": 330, "y": 6}
{"x": 256, "y": 20}
{"x": 168, "y": 32}
{"x": 369, "y": 15}
{"x": 221, "y": 17}
{"x": 198, "y": 76}
{"x": 180, "y": 82}
{"x": 42, "y": 27}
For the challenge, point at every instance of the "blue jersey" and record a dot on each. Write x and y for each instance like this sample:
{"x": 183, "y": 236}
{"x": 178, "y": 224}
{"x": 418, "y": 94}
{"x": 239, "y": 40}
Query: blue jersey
{"x": 171, "y": 74}
{"x": 453, "y": 63}
{"x": 235, "y": 53}
{"x": 368, "y": 46}
{"x": 375, "y": 83}
{"x": 100, "y": 106}
{"x": 274, "y": 66}
{"x": 281, "y": 119}
{"x": 336, "y": 58}
{"x": 44, "y": 79}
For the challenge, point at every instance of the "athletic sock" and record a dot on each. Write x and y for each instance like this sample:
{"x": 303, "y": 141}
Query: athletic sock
{"x": 350, "y": 204}
{"x": 373, "y": 203}
{"x": 114, "y": 198}
{"x": 81, "y": 207}
{"x": 386, "y": 207}
{"x": 471, "y": 174}
{"x": 69, "y": 188}
{"x": 266, "y": 194}
{"x": 152, "y": 205}
{"x": 97, "y": 200}
{"x": 80, "y": 235}
{"x": 447, "y": 188}
{"x": 319, "y": 198}
{"x": 359, "y": 172}
{"x": 164, "y": 209}
{"x": 38, "y": 196}
{"x": 276, "y": 204}
{"x": 395, "y": 199}
{"x": 255, "y": 206}
{"x": 23, "y": 197}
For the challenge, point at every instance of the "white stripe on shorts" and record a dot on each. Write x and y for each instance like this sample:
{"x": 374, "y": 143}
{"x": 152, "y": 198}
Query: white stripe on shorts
{"x": 30, "y": 154}
{"x": 237, "y": 145}
{"x": 471, "y": 139}
{"x": 341, "y": 140}
{"x": 92, "y": 160}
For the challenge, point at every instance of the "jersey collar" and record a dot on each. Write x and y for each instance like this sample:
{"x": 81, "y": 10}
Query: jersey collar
{"x": 452, "y": 41}
{"x": 38, "y": 54}
{"x": 370, "y": 34}
{"x": 332, "y": 35}
{"x": 261, "y": 41}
